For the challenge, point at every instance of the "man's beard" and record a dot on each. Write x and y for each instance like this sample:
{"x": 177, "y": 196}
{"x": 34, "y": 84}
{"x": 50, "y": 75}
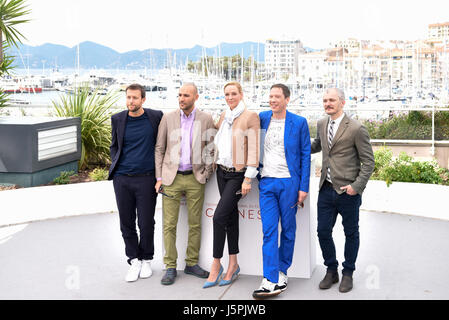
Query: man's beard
{"x": 134, "y": 108}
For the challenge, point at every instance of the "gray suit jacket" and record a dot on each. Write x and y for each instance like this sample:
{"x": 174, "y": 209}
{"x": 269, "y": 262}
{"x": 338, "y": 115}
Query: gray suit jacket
{"x": 351, "y": 158}
{"x": 168, "y": 146}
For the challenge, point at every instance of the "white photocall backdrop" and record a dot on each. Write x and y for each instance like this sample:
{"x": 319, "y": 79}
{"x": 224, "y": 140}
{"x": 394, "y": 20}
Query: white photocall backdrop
{"x": 250, "y": 234}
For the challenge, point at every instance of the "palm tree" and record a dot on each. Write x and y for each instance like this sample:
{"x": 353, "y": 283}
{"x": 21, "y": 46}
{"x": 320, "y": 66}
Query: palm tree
{"x": 11, "y": 15}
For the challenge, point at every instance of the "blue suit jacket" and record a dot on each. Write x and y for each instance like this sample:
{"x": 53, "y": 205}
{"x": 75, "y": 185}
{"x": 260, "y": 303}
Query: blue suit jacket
{"x": 118, "y": 124}
{"x": 296, "y": 145}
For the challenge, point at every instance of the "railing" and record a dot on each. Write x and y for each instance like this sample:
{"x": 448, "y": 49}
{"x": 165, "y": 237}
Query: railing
{"x": 360, "y": 110}
{"x": 381, "y": 110}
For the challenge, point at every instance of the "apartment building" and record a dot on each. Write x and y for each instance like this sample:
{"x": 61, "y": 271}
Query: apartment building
{"x": 366, "y": 66}
{"x": 438, "y": 31}
{"x": 371, "y": 66}
{"x": 312, "y": 69}
{"x": 281, "y": 57}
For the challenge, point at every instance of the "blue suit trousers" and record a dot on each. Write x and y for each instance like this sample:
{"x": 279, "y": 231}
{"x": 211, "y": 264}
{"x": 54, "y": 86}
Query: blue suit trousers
{"x": 276, "y": 197}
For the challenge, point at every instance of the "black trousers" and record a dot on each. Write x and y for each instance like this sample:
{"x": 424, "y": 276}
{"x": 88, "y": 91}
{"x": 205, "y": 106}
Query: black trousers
{"x": 330, "y": 204}
{"x": 136, "y": 197}
{"x": 226, "y": 216}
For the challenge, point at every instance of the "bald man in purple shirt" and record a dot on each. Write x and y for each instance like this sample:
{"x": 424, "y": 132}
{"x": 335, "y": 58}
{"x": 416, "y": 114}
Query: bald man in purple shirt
{"x": 184, "y": 157}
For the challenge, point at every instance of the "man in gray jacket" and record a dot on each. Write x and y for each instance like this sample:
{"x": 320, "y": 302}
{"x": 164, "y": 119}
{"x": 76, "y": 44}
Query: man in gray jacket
{"x": 347, "y": 164}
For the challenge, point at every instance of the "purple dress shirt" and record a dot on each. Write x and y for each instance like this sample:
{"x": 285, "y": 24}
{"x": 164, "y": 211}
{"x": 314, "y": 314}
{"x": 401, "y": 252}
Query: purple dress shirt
{"x": 185, "y": 162}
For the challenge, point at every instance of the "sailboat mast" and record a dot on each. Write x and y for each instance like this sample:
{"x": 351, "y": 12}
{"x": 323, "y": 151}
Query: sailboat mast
{"x": 78, "y": 58}
{"x": 242, "y": 71}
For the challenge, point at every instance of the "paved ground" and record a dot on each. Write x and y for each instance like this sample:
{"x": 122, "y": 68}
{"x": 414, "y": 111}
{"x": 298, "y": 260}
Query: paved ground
{"x": 400, "y": 257}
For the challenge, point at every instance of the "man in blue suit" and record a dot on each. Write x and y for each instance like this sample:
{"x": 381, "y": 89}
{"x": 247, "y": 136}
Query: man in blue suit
{"x": 132, "y": 170}
{"x": 283, "y": 187}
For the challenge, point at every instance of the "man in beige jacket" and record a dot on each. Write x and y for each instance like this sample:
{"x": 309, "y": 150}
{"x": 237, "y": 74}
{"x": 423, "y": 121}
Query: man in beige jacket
{"x": 183, "y": 157}
{"x": 348, "y": 162}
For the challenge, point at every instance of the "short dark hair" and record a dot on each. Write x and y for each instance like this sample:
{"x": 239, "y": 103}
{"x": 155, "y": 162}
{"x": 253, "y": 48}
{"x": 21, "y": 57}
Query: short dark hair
{"x": 136, "y": 86}
{"x": 283, "y": 87}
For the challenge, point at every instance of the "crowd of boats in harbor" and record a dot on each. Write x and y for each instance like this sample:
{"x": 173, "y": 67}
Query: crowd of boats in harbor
{"x": 36, "y": 89}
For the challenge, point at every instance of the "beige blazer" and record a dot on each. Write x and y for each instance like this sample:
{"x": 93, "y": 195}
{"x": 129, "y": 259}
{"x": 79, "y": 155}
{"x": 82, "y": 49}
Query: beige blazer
{"x": 245, "y": 140}
{"x": 168, "y": 146}
{"x": 351, "y": 158}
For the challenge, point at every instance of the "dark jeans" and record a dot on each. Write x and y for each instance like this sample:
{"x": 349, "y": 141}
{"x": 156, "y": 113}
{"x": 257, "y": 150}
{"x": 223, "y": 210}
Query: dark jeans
{"x": 136, "y": 195}
{"x": 330, "y": 204}
{"x": 226, "y": 216}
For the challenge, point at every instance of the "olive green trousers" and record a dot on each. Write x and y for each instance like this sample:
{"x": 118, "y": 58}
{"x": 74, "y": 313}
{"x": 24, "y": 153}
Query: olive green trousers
{"x": 194, "y": 195}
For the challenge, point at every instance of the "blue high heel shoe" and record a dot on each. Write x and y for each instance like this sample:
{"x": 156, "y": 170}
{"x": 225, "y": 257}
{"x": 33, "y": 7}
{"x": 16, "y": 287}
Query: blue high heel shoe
{"x": 209, "y": 284}
{"x": 234, "y": 276}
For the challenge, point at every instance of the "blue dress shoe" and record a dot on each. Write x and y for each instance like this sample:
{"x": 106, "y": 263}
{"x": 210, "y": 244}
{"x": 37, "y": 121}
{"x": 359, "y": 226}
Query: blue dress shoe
{"x": 234, "y": 276}
{"x": 209, "y": 284}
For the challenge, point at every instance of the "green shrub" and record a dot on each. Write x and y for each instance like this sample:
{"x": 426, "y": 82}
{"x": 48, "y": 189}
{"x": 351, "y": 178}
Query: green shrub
{"x": 99, "y": 174}
{"x": 94, "y": 111}
{"x": 312, "y": 130}
{"x": 413, "y": 125}
{"x": 419, "y": 117}
{"x": 64, "y": 177}
{"x": 405, "y": 169}
{"x": 382, "y": 159}
{"x": 442, "y": 125}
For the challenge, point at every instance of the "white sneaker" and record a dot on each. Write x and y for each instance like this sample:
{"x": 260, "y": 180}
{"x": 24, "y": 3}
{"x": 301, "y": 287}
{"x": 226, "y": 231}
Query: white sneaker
{"x": 283, "y": 279}
{"x": 146, "y": 271}
{"x": 134, "y": 270}
{"x": 267, "y": 289}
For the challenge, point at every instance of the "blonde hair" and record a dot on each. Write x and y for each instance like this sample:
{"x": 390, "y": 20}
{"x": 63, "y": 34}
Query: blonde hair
{"x": 236, "y": 84}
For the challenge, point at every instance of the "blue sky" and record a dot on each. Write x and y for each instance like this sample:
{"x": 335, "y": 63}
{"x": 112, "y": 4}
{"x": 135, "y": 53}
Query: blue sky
{"x": 140, "y": 24}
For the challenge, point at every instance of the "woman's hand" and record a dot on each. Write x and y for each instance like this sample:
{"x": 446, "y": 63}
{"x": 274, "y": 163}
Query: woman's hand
{"x": 246, "y": 186}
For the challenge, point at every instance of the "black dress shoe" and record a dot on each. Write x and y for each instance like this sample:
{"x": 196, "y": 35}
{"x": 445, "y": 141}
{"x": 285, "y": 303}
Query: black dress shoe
{"x": 346, "y": 284}
{"x": 169, "y": 277}
{"x": 329, "y": 279}
{"x": 197, "y": 271}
